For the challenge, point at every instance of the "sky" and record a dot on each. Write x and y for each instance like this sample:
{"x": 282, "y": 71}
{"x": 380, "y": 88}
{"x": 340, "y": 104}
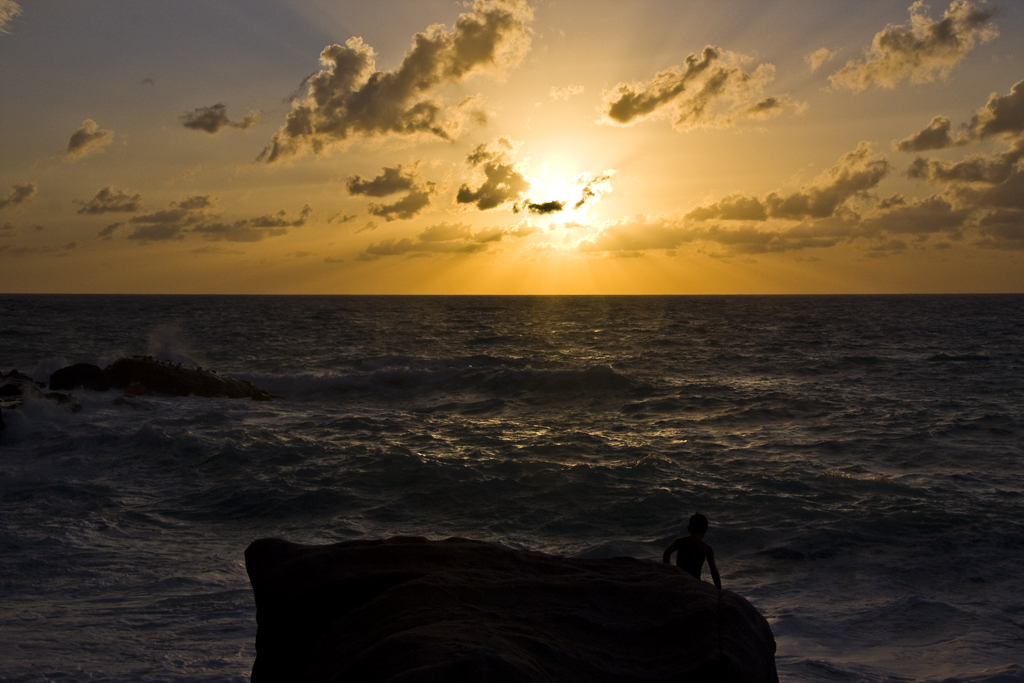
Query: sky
{"x": 511, "y": 147}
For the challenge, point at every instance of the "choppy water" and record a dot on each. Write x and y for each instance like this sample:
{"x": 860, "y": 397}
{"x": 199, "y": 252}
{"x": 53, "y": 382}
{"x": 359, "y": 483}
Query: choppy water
{"x": 861, "y": 460}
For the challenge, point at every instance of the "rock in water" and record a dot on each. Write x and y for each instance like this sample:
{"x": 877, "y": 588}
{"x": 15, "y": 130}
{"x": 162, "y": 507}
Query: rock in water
{"x": 142, "y": 374}
{"x": 409, "y": 609}
{"x": 84, "y": 375}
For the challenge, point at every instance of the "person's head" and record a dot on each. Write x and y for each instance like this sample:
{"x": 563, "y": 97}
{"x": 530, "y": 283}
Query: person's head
{"x": 698, "y": 524}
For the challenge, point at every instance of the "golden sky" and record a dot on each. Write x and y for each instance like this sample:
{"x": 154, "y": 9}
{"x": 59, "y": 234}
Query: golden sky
{"x": 511, "y": 147}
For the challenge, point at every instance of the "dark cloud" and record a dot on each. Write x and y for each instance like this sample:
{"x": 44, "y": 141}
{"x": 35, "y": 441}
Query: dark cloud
{"x": 391, "y": 181}
{"x": 1006, "y": 195}
{"x": 712, "y": 90}
{"x": 342, "y": 217}
{"x": 350, "y": 98}
{"x": 12, "y": 250}
{"x": 887, "y": 248}
{"x": 734, "y": 207}
{"x": 214, "y": 118}
{"x": 88, "y": 139}
{"x": 196, "y": 216}
{"x": 406, "y": 207}
{"x": 19, "y": 194}
{"x": 593, "y": 187}
{"x": 8, "y": 10}
{"x": 502, "y": 181}
{"x": 108, "y": 201}
{"x": 991, "y": 169}
{"x": 856, "y": 173}
{"x": 544, "y": 208}
{"x": 934, "y": 136}
{"x": 214, "y": 250}
{"x": 985, "y": 190}
{"x": 443, "y": 238}
{"x": 1001, "y": 115}
{"x": 169, "y": 223}
{"x": 935, "y": 214}
{"x": 108, "y": 232}
{"x": 635, "y": 236}
{"x": 1002, "y": 229}
{"x": 895, "y": 200}
{"x": 252, "y": 229}
{"x": 921, "y": 50}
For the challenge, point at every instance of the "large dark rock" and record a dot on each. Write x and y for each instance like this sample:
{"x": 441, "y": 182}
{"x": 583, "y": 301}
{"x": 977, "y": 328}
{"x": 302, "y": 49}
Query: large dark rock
{"x": 79, "y": 375}
{"x": 145, "y": 375}
{"x": 15, "y": 386}
{"x": 409, "y": 609}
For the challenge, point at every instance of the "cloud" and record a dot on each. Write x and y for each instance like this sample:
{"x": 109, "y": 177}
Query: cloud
{"x": 593, "y": 188}
{"x": 351, "y": 99}
{"x": 991, "y": 169}
{"x": 108, "y": 201}
{"x": 817, "y": 216}
{"x": 214, "y": 118}
{"x": 1002, "y": 117}
{"x": 196, "y": 215}
{"x": 634, "y": 236}
{"x": 392, "y": 181}
{"x": 854, "y": 175}
{"x": 170, "y": 223}
{"x": 987, "y": 189}
{"x": 88, "y": 139}
{"x": 819, "y": 57}
{"x": 934, "y": 136}
{"x": 935, "y": 214}
{"x": 342, "y": 217}
{"x": 214, "y": 250}
{"x": 8, "y": 10}
{"x": 921, "y": 50}
{"x": 502, "y": 182}
{"x": 544, "y": 208}
{"x": 712, "y": 90}
{"x": 1002, "y": 229}
{"x": 19, "y": 194}
{"x": 565, "y": 93}
{"x": 11, "y": 250}
{"x": 443, "y": 238}
{"x": 406, "y": 207}
{"x": 252, "y": 229}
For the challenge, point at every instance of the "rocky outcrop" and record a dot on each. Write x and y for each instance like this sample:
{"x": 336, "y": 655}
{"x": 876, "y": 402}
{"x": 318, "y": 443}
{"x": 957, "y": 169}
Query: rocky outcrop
{"x": 409, "y": 609}
{"x": 15, "y": 386}
{"x": 79, "y": 376}
{"x": 145, "y": 375}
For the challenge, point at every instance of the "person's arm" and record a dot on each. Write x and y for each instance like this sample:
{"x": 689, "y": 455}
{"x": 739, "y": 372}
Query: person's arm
{"x": 667, "y": 556}
{"x": 714, "y": 569}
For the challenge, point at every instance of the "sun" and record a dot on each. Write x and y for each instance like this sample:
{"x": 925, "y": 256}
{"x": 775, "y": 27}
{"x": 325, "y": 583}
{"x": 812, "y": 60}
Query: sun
{"x": 564, "y": 194}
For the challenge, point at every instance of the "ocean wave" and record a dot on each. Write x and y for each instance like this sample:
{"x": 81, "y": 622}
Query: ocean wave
{"x": 485, "y": 376}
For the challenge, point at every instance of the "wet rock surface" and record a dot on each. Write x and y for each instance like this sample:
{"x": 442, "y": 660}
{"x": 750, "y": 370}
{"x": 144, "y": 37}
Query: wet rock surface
{"x": 144, "y": 375}
{"x": 79, "y": 376}
{"x": 409, "y": 609}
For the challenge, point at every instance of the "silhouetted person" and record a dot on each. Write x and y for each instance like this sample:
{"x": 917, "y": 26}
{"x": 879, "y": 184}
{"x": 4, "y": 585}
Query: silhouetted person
{"x": 692, "y": 550}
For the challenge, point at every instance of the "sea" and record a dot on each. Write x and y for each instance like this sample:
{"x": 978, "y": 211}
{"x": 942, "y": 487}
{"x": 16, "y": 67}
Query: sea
{"x": 860, "y": 459}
